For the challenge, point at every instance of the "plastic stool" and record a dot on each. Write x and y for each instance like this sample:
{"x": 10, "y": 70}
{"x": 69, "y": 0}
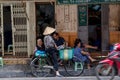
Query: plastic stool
{"x": 10, "y": 47}
{"x": 1, "y": 61}
{"x": 78, "y": 65}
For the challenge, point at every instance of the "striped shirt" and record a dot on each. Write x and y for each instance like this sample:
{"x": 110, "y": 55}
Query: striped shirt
{"x": 49, "y": 42}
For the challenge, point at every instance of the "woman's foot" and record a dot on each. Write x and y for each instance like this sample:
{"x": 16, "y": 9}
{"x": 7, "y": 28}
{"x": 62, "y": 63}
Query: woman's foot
{"x": 93, "y": 60}
{"x": 88, "y": 66}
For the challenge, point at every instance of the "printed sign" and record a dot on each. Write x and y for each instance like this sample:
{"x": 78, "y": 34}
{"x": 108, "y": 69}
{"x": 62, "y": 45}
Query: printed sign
{"x": 86, "y": 1}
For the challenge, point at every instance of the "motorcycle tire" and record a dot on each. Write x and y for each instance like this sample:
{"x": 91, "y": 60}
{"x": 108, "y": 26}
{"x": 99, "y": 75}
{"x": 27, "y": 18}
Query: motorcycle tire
{"x": 105, "y": 72}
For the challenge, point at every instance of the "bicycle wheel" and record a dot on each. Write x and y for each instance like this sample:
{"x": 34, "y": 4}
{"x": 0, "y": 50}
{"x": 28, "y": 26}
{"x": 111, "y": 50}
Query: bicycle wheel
{"x": 105, "y": 72}
{"x": 74, "y": 70}
{"x": 38, "y": 69}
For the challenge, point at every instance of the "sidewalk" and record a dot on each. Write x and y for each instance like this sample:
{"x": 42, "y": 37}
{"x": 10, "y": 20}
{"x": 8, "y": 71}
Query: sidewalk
{"x": 60, "y": 78}
{"x": 10, "y": 71}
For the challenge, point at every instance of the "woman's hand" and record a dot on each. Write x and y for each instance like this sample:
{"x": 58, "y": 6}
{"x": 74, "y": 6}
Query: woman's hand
{"x": 85, "y": 53}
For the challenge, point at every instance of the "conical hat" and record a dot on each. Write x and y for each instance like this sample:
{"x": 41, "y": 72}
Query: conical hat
{"x": 48, "y": 30}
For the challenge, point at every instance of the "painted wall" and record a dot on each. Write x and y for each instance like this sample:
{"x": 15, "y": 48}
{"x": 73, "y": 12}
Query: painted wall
{"x": 31, "y": 27}
{"x": 66, "y": 22}
{"x": 66, "y": 18}
{"x": 114, "y": 23}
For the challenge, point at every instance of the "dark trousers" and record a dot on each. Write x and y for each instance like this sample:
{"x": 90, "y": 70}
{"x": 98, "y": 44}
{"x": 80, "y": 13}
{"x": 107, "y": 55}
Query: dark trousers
{"x": 52, "y": 53}
{"x": 36, "y": 62}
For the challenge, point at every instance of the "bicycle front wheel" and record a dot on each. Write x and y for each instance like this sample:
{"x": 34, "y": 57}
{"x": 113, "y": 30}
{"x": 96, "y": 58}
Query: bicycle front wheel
{"x": 74, "y": 68}
{"x": 37, "y": 68}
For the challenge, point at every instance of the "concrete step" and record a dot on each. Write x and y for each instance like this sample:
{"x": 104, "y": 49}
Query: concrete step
{"x": 12, "y": 61}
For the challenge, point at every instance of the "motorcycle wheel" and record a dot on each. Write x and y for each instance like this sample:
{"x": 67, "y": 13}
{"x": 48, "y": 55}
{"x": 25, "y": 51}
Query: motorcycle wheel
{"x": 105, "y": 72}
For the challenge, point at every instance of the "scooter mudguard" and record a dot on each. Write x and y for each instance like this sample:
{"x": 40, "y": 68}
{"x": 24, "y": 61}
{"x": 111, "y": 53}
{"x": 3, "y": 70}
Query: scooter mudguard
{"x": 108, "y": 61}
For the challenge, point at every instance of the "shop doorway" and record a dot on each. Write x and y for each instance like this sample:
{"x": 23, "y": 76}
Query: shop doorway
{"x": 7, "y": 29}
{"x": 94, "y": 25}
{"x": 45, "y": 13}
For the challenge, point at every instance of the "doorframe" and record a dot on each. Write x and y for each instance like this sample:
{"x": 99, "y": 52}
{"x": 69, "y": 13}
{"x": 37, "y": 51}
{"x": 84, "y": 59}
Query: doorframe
{"x": 13, "y": 28}
{"x": 105, "y": 27}
{"x": 2, "y": 31}
{"x": 2, "y": 25}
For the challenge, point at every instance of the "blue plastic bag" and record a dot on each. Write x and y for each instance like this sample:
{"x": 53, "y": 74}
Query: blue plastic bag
{"x": 40, "y": 53}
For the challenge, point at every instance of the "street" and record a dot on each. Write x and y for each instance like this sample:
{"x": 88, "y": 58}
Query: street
{"x": 58, "y": 78}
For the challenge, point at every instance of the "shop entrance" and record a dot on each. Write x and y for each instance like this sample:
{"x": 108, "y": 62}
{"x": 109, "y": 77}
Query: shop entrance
{"x": 45, "y": 13}
{"x": 94, "y": 25}
{"x": 7, "y": 29}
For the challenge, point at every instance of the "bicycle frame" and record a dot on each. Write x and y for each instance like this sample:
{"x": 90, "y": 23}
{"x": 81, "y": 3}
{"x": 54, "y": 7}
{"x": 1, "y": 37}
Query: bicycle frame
{"x": 69, "y": 68}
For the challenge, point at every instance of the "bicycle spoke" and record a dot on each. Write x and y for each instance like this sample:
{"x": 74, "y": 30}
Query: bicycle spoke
{"x": 73, "y": 69}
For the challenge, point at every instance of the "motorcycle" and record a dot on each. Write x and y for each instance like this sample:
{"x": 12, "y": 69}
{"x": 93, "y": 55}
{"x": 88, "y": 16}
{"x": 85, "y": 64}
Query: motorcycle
{"x": 109, "y": 67}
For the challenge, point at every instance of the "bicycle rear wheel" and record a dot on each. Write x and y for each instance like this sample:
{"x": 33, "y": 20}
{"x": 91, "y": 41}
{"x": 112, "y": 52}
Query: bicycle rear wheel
{"x": 38, "y": 69}
{"x": 74, "y": 69}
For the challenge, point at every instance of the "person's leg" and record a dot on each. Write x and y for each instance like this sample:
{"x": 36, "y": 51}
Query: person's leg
{"x": 88, "y": 66}
{"x": 54, "y": 60}
{"x": 53, "y": 55}
{"x": 91, "y": 59}
{"x": 87, "y": 60}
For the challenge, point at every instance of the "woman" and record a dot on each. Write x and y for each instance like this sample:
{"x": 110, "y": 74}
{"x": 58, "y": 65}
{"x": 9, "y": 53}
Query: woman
{"x": 39, "y": 47}
{"x": 79, "y": 53}
{"x": 51, "y": 48}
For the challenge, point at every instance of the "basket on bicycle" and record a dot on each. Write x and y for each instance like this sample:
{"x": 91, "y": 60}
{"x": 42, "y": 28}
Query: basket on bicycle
{"x": 66, "y": 54}
{"x": 40, "y": 53}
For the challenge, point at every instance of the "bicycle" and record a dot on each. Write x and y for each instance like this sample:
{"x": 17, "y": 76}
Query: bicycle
{"x": 44, "y": 65}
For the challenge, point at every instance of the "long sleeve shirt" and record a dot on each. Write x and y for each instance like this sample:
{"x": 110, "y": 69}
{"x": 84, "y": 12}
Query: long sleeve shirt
{"x": 78, "y": 54}
{"x": 49, "y": 42}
